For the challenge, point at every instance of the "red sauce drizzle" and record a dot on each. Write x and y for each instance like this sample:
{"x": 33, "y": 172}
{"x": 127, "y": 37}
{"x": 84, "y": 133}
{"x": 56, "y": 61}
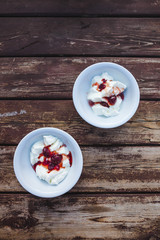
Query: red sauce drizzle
{"x": 91, "y": 103}
{"x": 40, "y": 155}
{"x": 70, "y": 158}
{"x": 111, "y": 100}
{"x": 102, "y": 86}
{"x": 52, "y": 160}
{"x": 104, "y": 104}
{"x": 121, "y": 95}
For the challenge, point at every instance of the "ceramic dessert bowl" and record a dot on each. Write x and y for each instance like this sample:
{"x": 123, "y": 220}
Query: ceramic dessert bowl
{"x": 83, "y": 84}
{"x": 26, "y": 174}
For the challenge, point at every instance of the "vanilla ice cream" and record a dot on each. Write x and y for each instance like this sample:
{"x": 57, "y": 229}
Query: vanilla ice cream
{"x": 106, "y": 95}
{"x": 51, "y": 159}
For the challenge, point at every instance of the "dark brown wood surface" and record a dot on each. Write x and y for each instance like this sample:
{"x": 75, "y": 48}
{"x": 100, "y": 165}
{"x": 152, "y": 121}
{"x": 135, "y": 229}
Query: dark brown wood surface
{"x": 80, "y": 216}
{"x": 44, "y": 45}
{"x": 53, "y": 77}
{"x": 106, "y": 169}
{"x": 79, "y": 8}
{"x": 20, "y": 117}
{"x": 81, "y": 36}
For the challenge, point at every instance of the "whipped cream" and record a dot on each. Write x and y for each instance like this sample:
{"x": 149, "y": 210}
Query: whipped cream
{"x": 106, "y": 95}
{"x": 51, "y": 159}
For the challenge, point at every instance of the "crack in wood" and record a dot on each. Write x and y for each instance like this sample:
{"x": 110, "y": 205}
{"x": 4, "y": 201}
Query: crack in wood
{"x": 32, "y": 43}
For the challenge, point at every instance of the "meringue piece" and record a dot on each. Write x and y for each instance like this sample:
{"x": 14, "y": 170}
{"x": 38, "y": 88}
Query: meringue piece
{"x": 63, "y": 150}
{"x": 111, "y": 111}
{"x": 48, "y": 140}
{"x": 66, "y": 163}
{"x": 37, "y": 148}
{"x": 44, "y": 170}
{"x": 54, "y": 177}
{"x": 104, "y": 87}
{"x": 56, "y": 145}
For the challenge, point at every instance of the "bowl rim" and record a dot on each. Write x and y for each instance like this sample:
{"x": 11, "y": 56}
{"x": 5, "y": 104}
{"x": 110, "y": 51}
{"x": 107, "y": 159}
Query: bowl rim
{"x": 25, "y": 185}
{"x": 91, "y": 121}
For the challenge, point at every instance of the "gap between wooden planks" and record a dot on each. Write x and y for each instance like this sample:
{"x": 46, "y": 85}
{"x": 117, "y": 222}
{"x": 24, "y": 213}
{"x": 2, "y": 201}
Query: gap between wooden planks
{"x": 53, "y": 78}
{"x": 106, "y": 169}
{"x": 80, "y": 217}
{"x": 81, "y": 36}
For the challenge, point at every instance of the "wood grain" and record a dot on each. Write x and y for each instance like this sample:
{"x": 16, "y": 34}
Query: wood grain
{"x": 83, "y": 36}
{"x": 79, "y": 8}
{"x": 20, "y": 117}
{"x": 80, "y": 217}
{"x": 74, "y": 35}
{"x": 53, "y": 78}
{"x": 106, "y": 169}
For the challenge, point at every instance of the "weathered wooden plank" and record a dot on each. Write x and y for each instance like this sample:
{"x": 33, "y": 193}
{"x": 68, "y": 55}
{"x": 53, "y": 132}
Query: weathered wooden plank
{"x": 54, "y": 77}
{"x": 81, "y": 36}
{"x": 79, "y": 8}
{"x": 20, "y": 117}
{"x": 106, "y": 169}
{"x": 80, "y": 217}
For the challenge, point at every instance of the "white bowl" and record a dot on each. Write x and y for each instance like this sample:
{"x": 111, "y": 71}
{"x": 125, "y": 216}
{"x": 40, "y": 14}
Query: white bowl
{"x": 27, "y": 176}
{"x": 83, "y": 84}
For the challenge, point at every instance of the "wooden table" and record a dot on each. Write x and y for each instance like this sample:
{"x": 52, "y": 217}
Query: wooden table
{"x": 44, "y": 45}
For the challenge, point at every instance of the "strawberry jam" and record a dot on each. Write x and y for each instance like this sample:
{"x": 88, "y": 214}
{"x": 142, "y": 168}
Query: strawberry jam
{"x": 70, "y": 158}
{"x": 46, "y": 151}
{"x": 102, "y": 86}
{"x": 111, "y": 100}
{"x": 56, "y": 159}
{"x": 121, "y": 95}
{"x": 104, "y": 80}
{"x": 52, "y": 160}
{"x": 91, "y": 103}
{"x": 104, "y": 104}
